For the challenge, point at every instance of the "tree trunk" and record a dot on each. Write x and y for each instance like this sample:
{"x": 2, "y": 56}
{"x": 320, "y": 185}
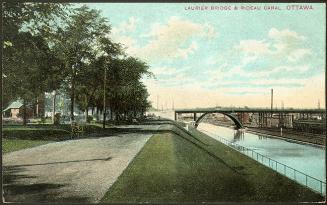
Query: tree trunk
{"x": 86, "y": 114}
{"x": 37, "y": 107}
{"x": 110, "y": 110}
{"x": 87, "y": 108}
{"x": 97, "y": 114}
{"x": 72, "y": 96}
{"x": 24, "y": 113}
{"x": 117, "y": 116}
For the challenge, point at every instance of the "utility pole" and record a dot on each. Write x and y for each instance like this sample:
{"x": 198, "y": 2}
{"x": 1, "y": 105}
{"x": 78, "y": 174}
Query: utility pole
{"x": 272, "y": 100}
{"x": 318, "y": 103}
{"x": 104, "y": 97}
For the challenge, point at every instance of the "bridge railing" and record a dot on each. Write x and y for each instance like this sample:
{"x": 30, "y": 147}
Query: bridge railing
{"x": 296, "y": 175}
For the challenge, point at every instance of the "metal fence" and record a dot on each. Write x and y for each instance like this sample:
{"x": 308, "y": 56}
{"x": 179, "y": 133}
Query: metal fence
{"x": 297, "y": 176}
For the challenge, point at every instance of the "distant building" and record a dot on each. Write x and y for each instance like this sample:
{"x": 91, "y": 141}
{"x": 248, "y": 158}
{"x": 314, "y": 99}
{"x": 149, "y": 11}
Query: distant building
{"x": 243, "y": 117}
{"x": 15, "y": 109}
{"x": 311, "y": 126}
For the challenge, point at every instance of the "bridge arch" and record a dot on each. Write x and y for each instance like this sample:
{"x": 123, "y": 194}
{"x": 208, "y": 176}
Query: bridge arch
{"x": 230, "y": 116}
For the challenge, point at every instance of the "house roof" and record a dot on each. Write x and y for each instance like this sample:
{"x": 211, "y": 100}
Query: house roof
{"x": 14, "y": 105}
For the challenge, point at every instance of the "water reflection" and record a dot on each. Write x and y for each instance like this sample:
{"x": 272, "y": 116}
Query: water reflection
{"x": 238, "y": 135}
{"x": 262, "y": 137}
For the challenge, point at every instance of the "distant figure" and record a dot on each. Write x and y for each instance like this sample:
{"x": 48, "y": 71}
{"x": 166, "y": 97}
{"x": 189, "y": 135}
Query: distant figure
{"x": 281, "y": 131}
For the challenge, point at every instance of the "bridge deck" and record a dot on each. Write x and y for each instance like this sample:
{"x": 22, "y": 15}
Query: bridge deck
{"x": 229, "y": 110}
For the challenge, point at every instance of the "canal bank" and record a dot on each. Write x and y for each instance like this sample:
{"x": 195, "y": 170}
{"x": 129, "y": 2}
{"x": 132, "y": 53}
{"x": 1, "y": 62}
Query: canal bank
{"x": 314, "y": 140}
{"x": 177, "y": 165}
{"x": 286, "y": 134}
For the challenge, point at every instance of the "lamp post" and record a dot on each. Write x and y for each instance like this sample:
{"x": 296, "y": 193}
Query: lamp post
{"x": 104, "y": 97}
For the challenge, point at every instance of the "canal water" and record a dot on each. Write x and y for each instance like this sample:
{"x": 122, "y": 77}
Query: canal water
{"x": 305, "y": 158}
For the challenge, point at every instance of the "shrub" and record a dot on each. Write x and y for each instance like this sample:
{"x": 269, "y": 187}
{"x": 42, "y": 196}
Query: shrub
{"x": 57, "y": 118}
{"x": 89, "y": 119}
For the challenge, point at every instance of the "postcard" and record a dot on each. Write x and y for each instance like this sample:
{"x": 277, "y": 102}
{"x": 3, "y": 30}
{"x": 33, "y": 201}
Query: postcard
{"x": 163, "y": 102}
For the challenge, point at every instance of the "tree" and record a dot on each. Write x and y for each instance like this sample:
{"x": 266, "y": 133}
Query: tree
{"x": 90, "y": 81}
{"x": 124, "y": 80}
{"x": 29, "y": 64}
{"x": 77, "y": 45}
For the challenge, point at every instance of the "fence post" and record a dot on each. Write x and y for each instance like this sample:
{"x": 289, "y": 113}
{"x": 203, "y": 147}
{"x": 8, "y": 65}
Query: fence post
{"x": 276, "y": 166}
{"x": 306, "y": 180}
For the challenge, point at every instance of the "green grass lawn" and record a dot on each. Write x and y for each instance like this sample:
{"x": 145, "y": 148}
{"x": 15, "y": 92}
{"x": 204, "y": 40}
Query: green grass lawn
{"x": 10, "y": 145}
{"x": 174, "y": 167}
{"x": 44, "y": 132}
{"x": 17, "y": 137}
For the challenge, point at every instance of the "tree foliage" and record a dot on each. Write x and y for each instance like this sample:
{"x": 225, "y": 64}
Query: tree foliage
{"x": 58, "y": 47}
{"x": 30, "y": 67}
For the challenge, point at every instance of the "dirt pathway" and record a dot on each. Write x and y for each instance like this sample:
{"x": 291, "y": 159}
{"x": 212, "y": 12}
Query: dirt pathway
{"x": 71, "y": 171}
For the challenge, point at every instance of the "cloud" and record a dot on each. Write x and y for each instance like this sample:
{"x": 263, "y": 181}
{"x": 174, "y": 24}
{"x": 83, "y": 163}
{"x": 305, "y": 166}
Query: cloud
{"x": 253, "y": 47}
{"x": 298, "y": 54}
{"x": 121, "y": 33}
{"x": 125, "y": 26}
{"x": 209, "y": 32}
{"x": 287, "y": 43}
{"x": 185, "y": 52}
{"x": 284, "y": 34}
{"x": 172, "y": 39}
{"x": 278, "y": 45}
{"x": 278, "y": 56}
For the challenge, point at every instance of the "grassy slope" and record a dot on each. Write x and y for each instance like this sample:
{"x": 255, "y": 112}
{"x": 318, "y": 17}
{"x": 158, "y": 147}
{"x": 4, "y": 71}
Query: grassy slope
{"x": 177, "y": 168}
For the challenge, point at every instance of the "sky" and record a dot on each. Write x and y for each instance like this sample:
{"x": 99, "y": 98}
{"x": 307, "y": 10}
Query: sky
{"x": 215, "y": 57}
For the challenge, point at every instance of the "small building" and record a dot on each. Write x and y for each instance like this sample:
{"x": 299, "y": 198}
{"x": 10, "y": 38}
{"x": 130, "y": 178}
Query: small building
{"x": 15, "y": 110}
